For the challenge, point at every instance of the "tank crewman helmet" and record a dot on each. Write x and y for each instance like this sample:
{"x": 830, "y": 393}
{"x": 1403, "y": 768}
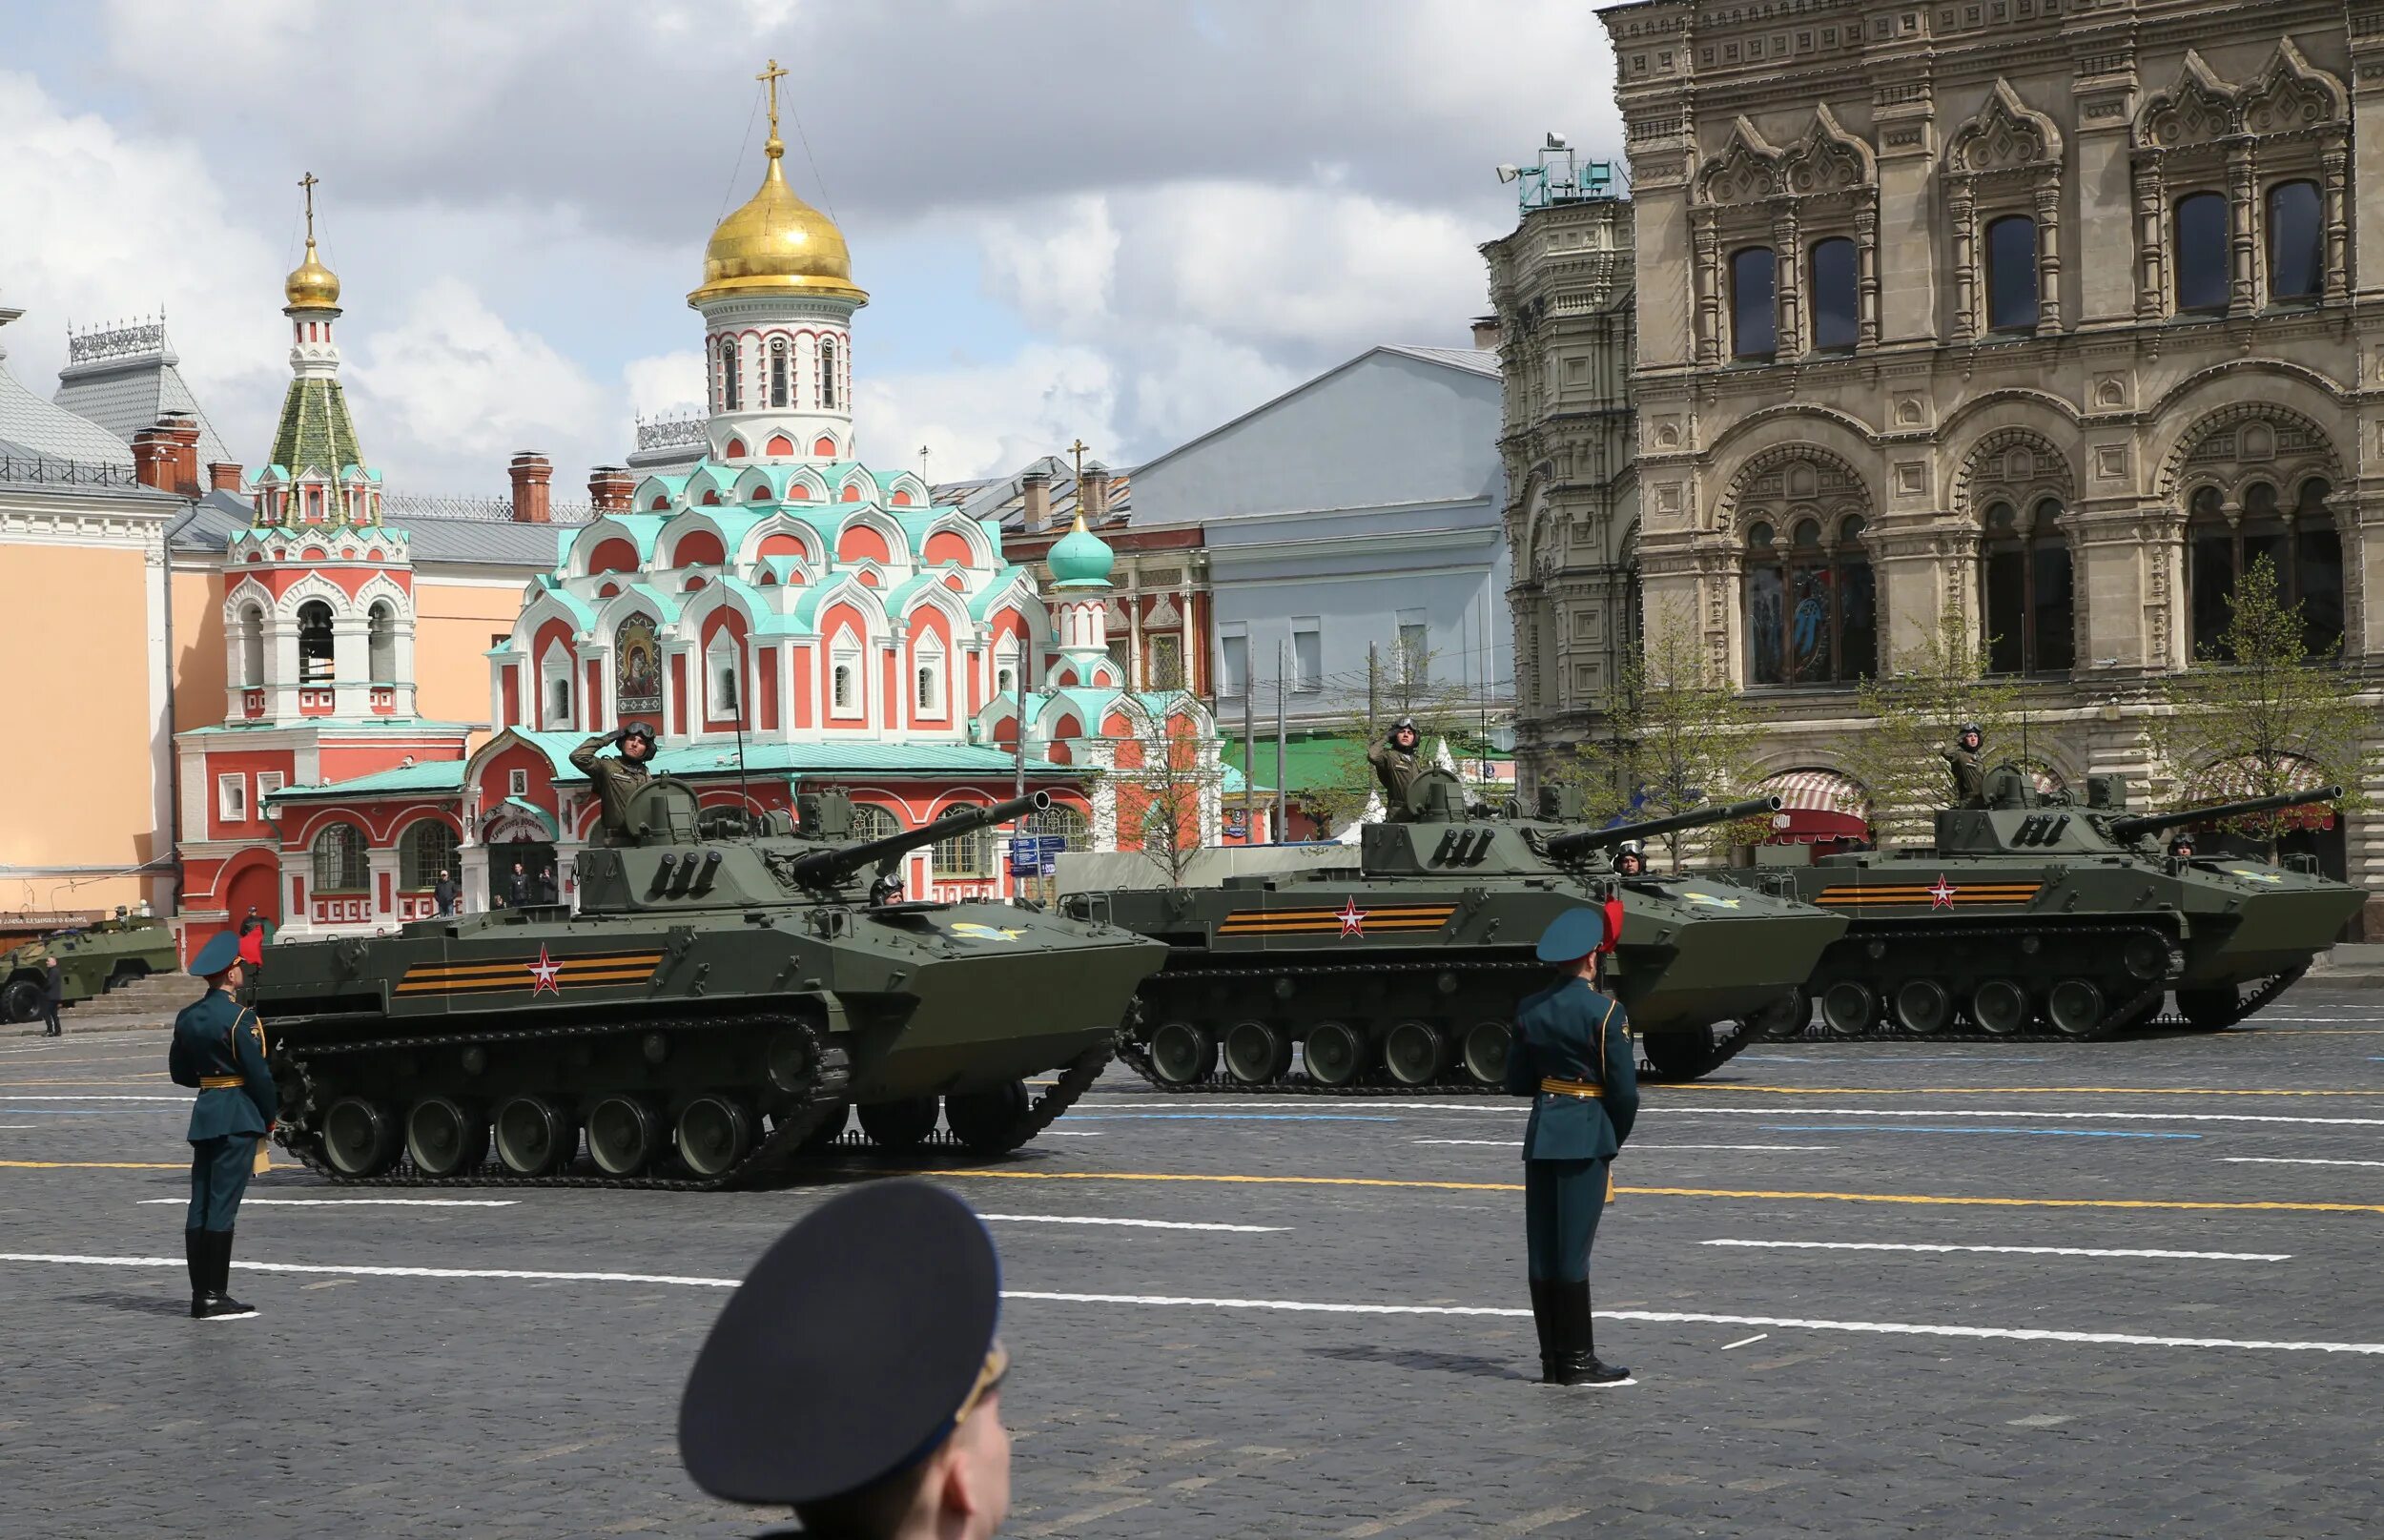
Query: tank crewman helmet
{"x": 1405, "y": 723}
{"x": 218, "y": 956}
{"x": 1968, "y": 729}
{"x": 862, "y": 1339}
{"x": 2182, "y": 845}
{"x": 1573, "y": 935}
{"x": 639, "y": 729}
{"x": 1630, "y": 850}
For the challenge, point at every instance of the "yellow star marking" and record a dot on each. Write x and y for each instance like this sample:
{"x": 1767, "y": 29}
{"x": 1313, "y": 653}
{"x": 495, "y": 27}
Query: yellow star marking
{"x": 975, "y": 931}
{"x": 1711, "y": 900}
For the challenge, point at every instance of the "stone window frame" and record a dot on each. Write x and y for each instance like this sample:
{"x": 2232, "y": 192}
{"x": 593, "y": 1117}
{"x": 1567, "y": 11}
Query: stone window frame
{"x": 2234, "y": 466}
{"x": 1747, "y": 504}
{"x": 2006, "y": 160}
{"x": 1991, "y": 477}
{"x": 2290, "y": 123}
{"x": 1824, "y": 184}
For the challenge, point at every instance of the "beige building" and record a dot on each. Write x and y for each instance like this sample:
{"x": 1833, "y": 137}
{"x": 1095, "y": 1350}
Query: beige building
{"x": 2048, "y": 310}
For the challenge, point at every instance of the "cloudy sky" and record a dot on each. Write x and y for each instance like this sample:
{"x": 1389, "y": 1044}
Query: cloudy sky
{"x": 1125, "y": 220}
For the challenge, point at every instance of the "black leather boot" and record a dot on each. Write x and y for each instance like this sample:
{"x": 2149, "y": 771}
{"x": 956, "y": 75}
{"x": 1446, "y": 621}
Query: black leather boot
{"x": 220, "y": 1305}
{"x": 1583, "y": 1360}
{"x": 1547, "y": 1319}
{"x": 196, "y": 1257}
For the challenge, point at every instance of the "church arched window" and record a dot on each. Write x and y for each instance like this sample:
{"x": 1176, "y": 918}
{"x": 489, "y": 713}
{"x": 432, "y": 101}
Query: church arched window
{"x": 2030, "y": 608}
{"x": 777, "y": 371}
{"x": 382, "y": 644}
{"x": 1065, "y": 821}
{"x": 870, "y": 821}
{"x": 426, "y": 849}
{"x": 251, "y": 646}
{"x": 827, "y": 373}
{"x": 731, "y": 396}
{"x": 1812, "y": 608}
{"x": 965, "y": 855}
{"x": 315, "y": 645}
{"x": 338, "y": 859}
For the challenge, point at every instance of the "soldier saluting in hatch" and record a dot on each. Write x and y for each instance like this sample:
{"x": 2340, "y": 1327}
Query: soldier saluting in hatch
{"x": 618, "y": 781}
{"x": 1394, "y": 762}
{"x": 1969, "y": 773}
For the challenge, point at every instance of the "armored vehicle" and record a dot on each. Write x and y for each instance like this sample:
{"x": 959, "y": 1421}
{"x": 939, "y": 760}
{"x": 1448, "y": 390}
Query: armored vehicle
{"x": 92, "y": 959}
{"x": 1405, "y": 969}
{"x": 727, "y": 988}
{"x": 2032, "y": 916}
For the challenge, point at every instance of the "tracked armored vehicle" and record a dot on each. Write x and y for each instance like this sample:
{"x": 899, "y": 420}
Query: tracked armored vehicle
{"x": 726, "y": 992}
{"x": 1404, "y": 969}
{"x": 92, "y": 959}
{"x": 2034, "y": 917}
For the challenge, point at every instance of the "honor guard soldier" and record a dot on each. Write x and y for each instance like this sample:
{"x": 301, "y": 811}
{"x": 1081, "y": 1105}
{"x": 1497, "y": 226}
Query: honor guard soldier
{"x": 1571, "y": 1054}
{"x": 1970, "y": 773}
{"x": 618, "y": 780}
{"x": 220, "y": 1047}
{"x": 1394, "y": 762}
{"x": 855, "y": 1376}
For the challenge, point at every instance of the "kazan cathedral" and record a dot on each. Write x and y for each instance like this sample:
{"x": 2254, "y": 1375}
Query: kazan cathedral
{"x": 786, "y": 616}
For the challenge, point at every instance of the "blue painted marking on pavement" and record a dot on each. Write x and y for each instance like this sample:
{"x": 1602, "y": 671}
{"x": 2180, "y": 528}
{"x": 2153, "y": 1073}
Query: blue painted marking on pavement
{"x": 2074, "y": 1133}
{"x": 1230, "y": 1116}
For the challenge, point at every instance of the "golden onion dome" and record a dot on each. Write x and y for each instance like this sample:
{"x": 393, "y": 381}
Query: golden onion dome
{"x": 311, "y": 284}
{"x": 777, "y": 244}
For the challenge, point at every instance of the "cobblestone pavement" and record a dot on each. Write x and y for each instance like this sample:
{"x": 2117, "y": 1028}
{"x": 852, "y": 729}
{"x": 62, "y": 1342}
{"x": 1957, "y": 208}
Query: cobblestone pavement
{"x": 1791, "y": 1383}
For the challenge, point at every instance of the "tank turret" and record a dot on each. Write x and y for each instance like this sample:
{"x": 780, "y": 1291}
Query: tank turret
{"x": 1586, "y": 842}
{"x": 2033, "y": 826}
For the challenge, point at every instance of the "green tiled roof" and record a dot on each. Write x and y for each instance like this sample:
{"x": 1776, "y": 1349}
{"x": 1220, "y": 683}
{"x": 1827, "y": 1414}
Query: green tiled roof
{"x": 405, "y": 780}
{"x": 315, "y": 433}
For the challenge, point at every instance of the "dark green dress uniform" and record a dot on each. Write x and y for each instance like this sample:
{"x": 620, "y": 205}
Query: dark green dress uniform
{"x": 1968, "y": 769}
{"x": 220, "y": 1047}
{"x": 1395, "y": 770}
{"x": 618, "y": 781}
{"x": 1571, "y": 1053}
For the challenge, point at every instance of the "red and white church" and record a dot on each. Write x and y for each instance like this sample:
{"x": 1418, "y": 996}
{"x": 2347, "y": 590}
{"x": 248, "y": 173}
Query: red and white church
{"x": 787, "y": 618}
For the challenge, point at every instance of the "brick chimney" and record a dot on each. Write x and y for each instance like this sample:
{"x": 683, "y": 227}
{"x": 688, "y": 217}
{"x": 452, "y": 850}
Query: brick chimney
{"x": 166, "y": 456}
{"x": 1034, "y": 486}
{"x": 223, "y": 475}
{"x": 531, "y": 472}
{"x": 609, "y": 488}
{"x": 1486, "y": 333}
{"x": 1094, "y": 494}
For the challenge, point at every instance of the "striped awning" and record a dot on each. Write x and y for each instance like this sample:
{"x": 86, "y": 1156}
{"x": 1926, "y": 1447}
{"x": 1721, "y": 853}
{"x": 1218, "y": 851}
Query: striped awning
{"x": 1817, "y": 790}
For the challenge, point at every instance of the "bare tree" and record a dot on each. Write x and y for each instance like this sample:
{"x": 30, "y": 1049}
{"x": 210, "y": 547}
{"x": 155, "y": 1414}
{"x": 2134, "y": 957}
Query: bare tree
{"x": 1934, "y": 687}
{"x": 1166, "y": 776}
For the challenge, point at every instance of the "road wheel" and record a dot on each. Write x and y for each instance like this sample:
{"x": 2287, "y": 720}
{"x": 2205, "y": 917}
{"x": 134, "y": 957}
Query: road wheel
{"x": 130, "y": 970}
{"x": 534, "y": 1138}
{"x": 2211, "y": 1010}
{"x": 1848, "y": 1007}
{"x": 1923, "y": 1006}
{"x": 1785, "y": 1017}
{"x": 20, "y": 1000}
{"x": 2074, "y": 1007}
{"x": 2145, "y": 957}
{"x": 446, "y": 1138}
{"x": 2000, "y": 1006}
{"x": 715, "y": 1133}
{"x": 1414, "y": 1052}
{"x": 992, "y": 1121}
{"x": 1335, "y": 1053}
{"x": 1183, "y": 1052}
{"x": 624, "y": 1135}
{"x": 1689, "y": 1056}
{"x": 898, "y": 1125}
{"x": 360, "y": 1138}
{"x": 828, "y": 1130}
{"x": 1256, "y": 1052}
{"x": 1484, "y": 1052}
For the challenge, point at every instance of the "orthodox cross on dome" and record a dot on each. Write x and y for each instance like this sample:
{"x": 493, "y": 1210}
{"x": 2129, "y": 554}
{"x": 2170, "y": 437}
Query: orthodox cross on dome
{"x": 307, "y": 184}
{"x": 770, "y": 78}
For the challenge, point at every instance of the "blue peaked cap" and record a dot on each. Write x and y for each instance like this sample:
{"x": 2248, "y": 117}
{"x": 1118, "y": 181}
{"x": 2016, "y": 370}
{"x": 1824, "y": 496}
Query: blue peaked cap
{"x": 217, "y": 955}
{"x": 1573, "y": 935}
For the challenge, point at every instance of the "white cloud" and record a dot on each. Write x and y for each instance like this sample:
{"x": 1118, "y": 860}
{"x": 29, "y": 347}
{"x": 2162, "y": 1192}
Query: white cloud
{"x": 1057, "y": 271}
{"x": 988, "y": 418}
{"x": 666, "y": 384}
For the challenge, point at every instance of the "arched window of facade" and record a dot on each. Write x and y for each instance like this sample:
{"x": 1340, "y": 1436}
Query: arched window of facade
{"x": 1812, "y": 607}
{"x": 777, "y": 371}
{"x": 965, "y": 855}
{"x": 251, "y": 646}
{"x": 1835, "y": 296}
{"x": 315, "y": 645}
{"x": 2011, "y": 293}
{"x": 2296, "y": 243}
{"x": 840, "y": 690}
{"x": 827, "y": 373}
{"x": 870, "y": 821}
{"x": 339, "y": 860}
{"x": 382, "y": 644}
{"x": 2201, "y": 243}
{"x": 2317, "y": 577}
{"x": 2301, "y": 542}
{"x": 1065, "y": 821}
{"x": 731, "y": 395}
{"x": 2031, "y": 610}
{"x": 424, "y": 850}
{"x": 2210, "y": 563}
{"x": 1754, "y": 305}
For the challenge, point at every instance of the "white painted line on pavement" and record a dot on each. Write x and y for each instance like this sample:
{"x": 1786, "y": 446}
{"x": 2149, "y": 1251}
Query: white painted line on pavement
{"x": 1069, "y": 1133}
{"x": 1511, "y": 1144}
{"x": 2017, "y": 1251}
{"x": 1139, "y": 1225}
{"x": 349, "y": 1202}
{"x": 184, "y": 1097}
{"x": 1745, "y": 1341}
{"x": 2281, "y": 1159}
{"x": 1893, "y": 1328}
{"x": 1669, "y": 1111}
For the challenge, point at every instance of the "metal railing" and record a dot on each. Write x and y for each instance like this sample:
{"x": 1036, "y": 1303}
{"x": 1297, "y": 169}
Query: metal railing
{"x": 49, "y": 470}
{"x": 670, "y": 432}
{"x": 399, "y": 507}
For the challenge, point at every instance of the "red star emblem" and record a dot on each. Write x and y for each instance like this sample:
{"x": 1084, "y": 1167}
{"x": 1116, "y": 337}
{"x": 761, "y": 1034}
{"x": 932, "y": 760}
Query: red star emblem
{"x": 1942, "y": 897}
{"x": 1353, "y": 918}
{"x": 544, "y": 973}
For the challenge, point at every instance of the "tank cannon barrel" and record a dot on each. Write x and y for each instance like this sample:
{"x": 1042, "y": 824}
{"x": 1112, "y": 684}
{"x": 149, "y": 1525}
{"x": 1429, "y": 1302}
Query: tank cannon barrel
{"x": 1574, "y": 846}
{"x": 825, "y": 869}
{"x": 2125, "y": 829}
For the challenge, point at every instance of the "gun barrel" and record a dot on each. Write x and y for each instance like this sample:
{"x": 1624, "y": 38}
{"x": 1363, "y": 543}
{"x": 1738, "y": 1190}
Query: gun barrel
{"x": 830, "y": 866}
{"x": 1574, "y": 846}
{"x": 2130, "y": 829}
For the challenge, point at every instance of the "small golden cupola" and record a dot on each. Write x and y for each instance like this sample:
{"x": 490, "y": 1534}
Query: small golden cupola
{"x": 311, "y": 285}
{"x": 776, "y": 243}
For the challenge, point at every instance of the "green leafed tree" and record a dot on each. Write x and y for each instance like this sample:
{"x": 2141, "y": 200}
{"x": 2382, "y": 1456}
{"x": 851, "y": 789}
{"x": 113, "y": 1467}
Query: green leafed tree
{"x": 1915, "y": 709}
{"x": 1677, "y": 735}
{"x": 2257, "y": 714}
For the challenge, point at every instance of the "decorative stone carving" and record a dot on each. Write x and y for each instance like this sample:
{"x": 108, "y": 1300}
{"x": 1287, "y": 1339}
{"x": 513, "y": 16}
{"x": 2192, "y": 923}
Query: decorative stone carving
{"x": 1827, "y": 160}
{"x": 2006, "y": 136}
{"x": 1747, "y": 171}
{"x": 2290, "y": 93}
{"x": 2199, "y": 110}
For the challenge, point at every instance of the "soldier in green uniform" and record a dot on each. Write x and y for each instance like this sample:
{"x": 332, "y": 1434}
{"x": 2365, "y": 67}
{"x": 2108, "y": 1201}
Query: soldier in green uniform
{"x": 220, "y": 1047}
{"x": 1571, "y": 1053}
{"x": 618, "y": 781}
{"x": 1969, "y": 773}
{"x": 856, "y": 1377}
{"x": 1394, "y": 762}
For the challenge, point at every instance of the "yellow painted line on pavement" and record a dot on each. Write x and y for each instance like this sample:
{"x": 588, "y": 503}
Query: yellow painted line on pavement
{"x": 2016, "y": 1091}
{"x": 1665, "y": 1192}
{"x": 97, "y": 1165}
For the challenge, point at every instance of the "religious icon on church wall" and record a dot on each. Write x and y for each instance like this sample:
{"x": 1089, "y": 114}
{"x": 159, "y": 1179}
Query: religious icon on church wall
{"x": 637, "y": 668}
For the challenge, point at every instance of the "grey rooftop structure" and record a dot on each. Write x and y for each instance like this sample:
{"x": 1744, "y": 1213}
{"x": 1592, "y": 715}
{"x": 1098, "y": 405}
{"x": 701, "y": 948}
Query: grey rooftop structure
{"x": 128, "y": 378}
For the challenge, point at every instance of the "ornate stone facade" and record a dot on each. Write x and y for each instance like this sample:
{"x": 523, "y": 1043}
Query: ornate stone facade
{"x": 2044, "y": 310}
